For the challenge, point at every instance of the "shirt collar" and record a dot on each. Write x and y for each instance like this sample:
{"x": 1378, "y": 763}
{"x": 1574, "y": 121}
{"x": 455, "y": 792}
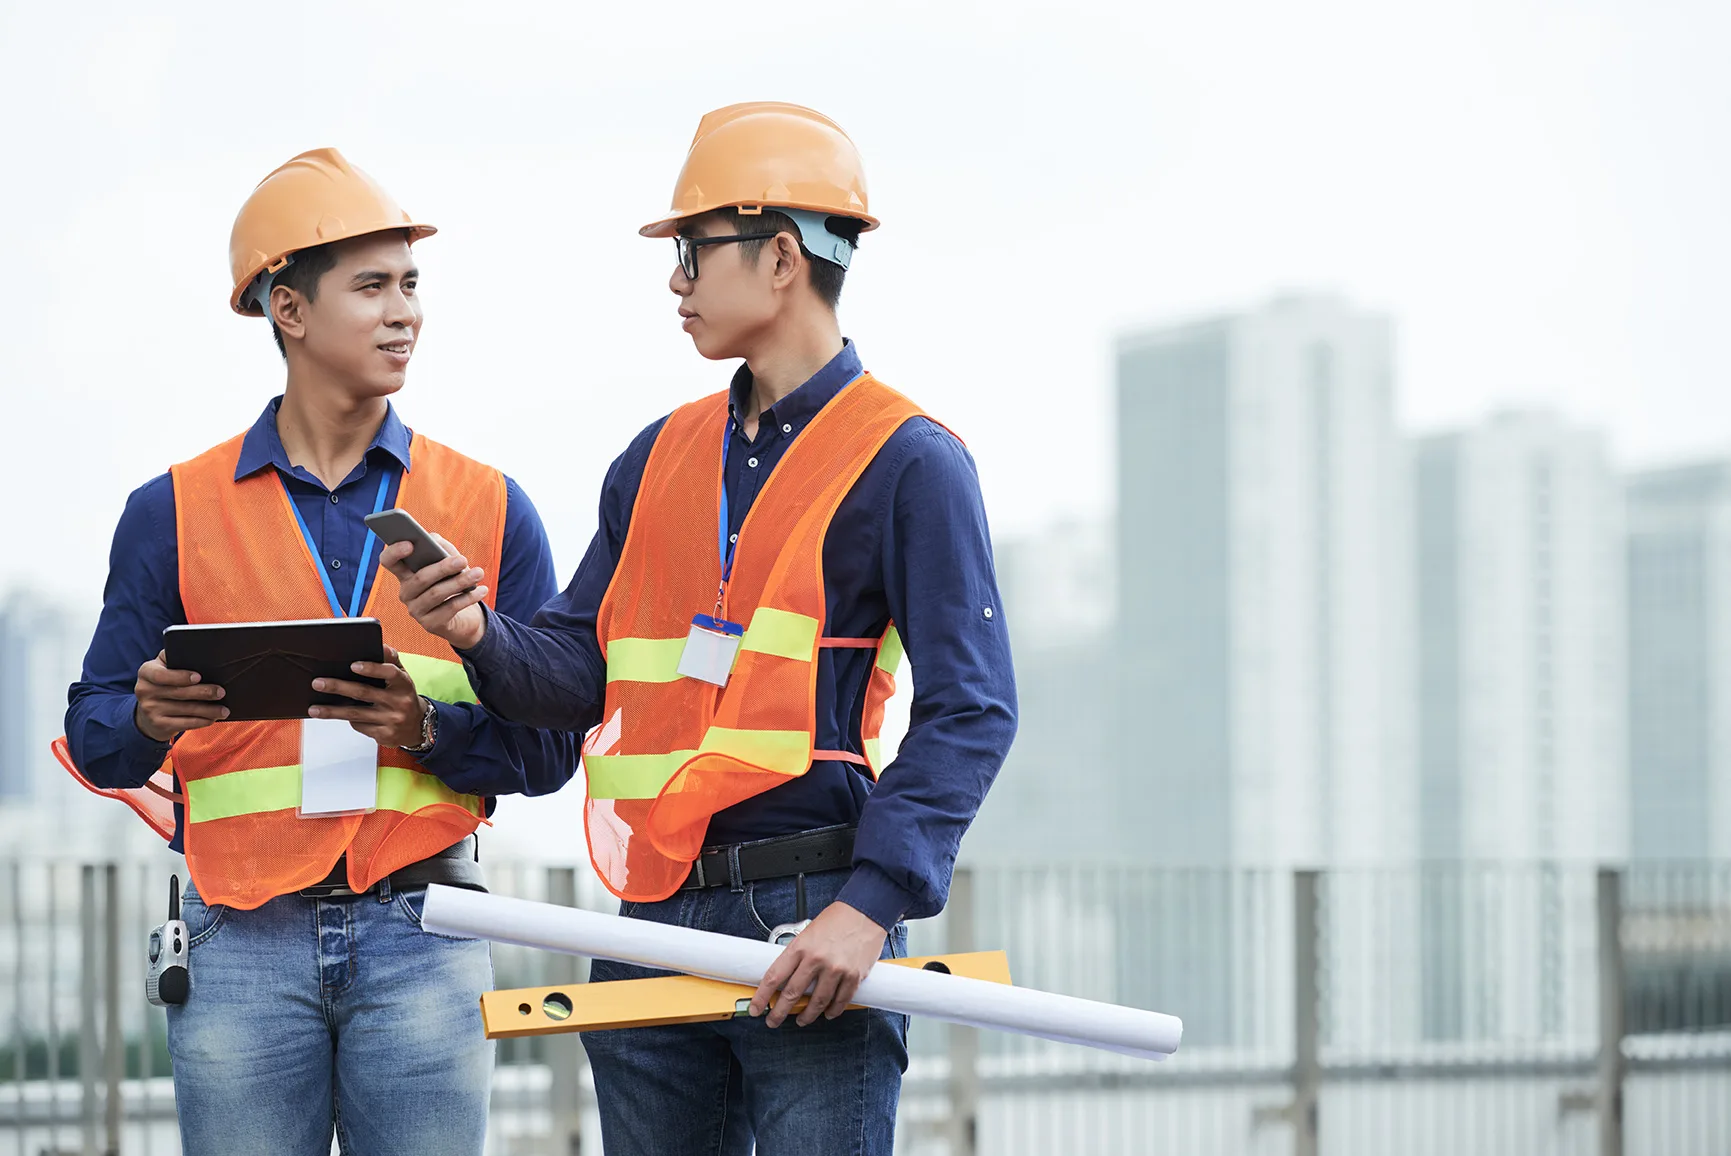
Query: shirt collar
{"x": 800, "y": 406}
{"x": 263, "y": 444}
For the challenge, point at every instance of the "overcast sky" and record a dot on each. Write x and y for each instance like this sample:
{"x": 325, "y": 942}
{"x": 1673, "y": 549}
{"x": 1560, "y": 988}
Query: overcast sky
{"x": 1537, "y": 191}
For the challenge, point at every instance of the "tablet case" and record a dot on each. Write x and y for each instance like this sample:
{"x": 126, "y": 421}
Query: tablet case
{"x": 266, "y": 669}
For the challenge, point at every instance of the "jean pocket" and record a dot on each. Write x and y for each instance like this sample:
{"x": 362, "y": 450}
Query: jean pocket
{"x": 413, "y": 903}
{"x": 201, "y": 921}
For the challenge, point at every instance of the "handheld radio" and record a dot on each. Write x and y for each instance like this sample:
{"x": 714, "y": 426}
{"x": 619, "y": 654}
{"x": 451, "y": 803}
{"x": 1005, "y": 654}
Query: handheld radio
{"x": 168, "y": 980}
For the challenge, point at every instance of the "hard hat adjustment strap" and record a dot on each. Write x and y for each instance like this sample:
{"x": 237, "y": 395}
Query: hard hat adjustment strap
{"x": 259, "y": 290}
{"x": 814, "y": 234}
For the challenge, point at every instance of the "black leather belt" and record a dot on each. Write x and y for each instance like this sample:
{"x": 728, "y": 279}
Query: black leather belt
{"x": 455, "y": 866}
{"x": 804, "y": 854}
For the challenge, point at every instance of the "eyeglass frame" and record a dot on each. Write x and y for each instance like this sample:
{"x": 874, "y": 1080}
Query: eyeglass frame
{"x": 688, "y": 247}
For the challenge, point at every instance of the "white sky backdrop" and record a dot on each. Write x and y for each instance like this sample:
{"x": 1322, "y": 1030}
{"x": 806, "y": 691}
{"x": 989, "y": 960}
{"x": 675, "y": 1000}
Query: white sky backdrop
{"x": 1538, "y": 191}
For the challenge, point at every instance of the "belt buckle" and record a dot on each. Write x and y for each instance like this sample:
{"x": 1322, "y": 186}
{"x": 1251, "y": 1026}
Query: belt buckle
{"x": 338, "y": 891}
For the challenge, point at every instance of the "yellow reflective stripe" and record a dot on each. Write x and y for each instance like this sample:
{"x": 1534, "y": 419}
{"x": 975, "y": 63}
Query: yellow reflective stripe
{"x": 401, "y": 789}
{"x": 243, "y": 793}
{"x": 631, "y": 776}
{"x": 439, "y": 679}
{"x": 265, "y": 789}
{"x": 781, "y": 633}
{"x": 644, "y": 659}
{"x": 890, "y": 653}
{"x": 874, "y": 752}
{"x": 643, "y": 776}
{"x": 785, "y": 752}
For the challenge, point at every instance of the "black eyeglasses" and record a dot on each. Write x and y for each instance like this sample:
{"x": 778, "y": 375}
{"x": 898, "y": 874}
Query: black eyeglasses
{"x": 688, "y": 247}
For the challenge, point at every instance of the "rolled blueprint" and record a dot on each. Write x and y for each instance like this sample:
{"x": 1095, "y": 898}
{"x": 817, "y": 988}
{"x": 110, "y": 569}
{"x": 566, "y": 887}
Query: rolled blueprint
{"x": 955, "y": 999}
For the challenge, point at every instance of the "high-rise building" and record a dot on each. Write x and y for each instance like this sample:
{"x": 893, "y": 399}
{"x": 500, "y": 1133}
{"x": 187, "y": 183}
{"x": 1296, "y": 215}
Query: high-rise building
{"x": 34, "y": 648}
{"x": 1520, "y": 643}
{"x": 1679, "y": 598}
{"x": 1520, "y": 715}
{"x": 1263, "y": 701}
{"x": 1058, "y": 604}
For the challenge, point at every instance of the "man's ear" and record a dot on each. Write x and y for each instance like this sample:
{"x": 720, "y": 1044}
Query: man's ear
{"x": 788, "y": 260}
{"x": 285, "y": 307}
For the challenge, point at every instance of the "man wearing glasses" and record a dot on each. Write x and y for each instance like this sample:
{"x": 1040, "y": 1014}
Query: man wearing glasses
{"x": 764, "y": 556}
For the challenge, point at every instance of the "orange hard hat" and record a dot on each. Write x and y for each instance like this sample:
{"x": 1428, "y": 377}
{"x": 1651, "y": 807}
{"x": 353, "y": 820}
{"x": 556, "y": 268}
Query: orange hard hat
{"x": 314, "y": 199}
{"x": 766, "y": 154}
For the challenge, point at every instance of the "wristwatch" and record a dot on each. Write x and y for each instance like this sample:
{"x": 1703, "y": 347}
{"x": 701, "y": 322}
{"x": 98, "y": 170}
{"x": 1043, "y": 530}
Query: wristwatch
{"x": 429, "y": 728}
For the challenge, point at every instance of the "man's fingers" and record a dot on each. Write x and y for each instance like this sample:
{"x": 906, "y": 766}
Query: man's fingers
{"x": 822, "y": 996}
{"x": 778, "y": 973}
{"x": 792, "y": 991}
{"x": 200, "y": 693}
{"x": 389, "y": 672}
{"x": 446, "y": 591}
{"x": 359, "y": 691}
{"x": 166, "y": 714}
{"x": 160, "y": 675}
{"x": 845, "y": 990}
{"x": 421, "y": 580}
{"x": 371, "y": 715}
{"x": 186, "y": 723}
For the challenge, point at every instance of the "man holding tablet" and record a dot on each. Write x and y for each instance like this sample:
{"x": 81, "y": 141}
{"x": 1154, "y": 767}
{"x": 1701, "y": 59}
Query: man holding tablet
{"x": 317, "y": 1002}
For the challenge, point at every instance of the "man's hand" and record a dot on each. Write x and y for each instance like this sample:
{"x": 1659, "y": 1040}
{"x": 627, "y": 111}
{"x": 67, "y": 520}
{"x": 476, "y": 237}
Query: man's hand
{"x": 171, "y": 701}
{"x": 444, "y": 598}
{"x": 831, "y": 957}
{"x": 392, "y": 716}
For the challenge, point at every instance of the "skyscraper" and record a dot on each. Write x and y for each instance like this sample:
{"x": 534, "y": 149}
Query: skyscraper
{"x": 1521, "y": 643}
{"x": 35, "y": 644}
{"x": 1520, "y": 714}
{"x": 1679, "y": 597}
{"x": 1263, "y": 704}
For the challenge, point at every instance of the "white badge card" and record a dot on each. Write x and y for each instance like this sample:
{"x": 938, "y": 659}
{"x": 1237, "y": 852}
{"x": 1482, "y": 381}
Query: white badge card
{"x": 710, "y": 649}
{"x": 339, "y": 770}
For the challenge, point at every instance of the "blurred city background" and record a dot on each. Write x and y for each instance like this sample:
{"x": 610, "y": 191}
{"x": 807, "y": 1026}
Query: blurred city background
{"x": 1351, "y": 400}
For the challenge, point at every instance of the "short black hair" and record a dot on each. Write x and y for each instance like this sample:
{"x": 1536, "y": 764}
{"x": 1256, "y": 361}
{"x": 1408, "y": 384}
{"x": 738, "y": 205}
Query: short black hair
{"x": 302, "y": 275}
{"x": 826, "y": 276}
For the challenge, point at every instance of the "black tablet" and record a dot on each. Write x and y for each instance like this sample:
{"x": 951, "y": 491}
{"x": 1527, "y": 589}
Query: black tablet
{"x": 266, "y": 669}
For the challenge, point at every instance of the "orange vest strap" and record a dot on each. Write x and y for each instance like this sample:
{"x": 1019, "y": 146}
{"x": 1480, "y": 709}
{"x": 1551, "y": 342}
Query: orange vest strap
{"x": 850, "y": 643}
{"x": 165, "y": 792}
{"x": 838, "y": 757}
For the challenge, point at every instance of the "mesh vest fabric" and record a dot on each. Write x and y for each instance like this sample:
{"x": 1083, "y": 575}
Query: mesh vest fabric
{"x": 244, "y": 559}
{"x": 673, "y": 751}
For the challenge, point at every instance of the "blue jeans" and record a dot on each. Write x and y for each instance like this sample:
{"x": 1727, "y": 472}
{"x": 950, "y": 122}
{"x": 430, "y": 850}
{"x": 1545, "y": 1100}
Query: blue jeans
{"x": 713, "y": 1089}
{"x": 313, "y": 1015}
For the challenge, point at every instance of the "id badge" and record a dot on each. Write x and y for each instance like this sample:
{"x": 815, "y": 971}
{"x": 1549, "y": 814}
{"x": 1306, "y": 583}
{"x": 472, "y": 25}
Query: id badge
{"x": 710, "y": 649}
{"x": 339, "y": 770}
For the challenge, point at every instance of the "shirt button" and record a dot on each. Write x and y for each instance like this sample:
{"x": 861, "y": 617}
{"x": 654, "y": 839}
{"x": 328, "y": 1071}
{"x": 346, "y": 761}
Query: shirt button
{"x": 988, "y": 612}
{"x": 787, "y": 429}
{"x": 733, "y": 537}
{"x": 333, "y": 499}
{"x": 337, "y": 564}
{"x": 752, "y": 462}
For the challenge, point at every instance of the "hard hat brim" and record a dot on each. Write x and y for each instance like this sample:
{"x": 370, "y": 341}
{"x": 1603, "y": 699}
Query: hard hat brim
{"x": 668, "y": 226}
{"x": 416, "y": 232}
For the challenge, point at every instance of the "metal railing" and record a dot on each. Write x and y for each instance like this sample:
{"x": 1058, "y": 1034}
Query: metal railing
{"x": 1522, "y": 1009}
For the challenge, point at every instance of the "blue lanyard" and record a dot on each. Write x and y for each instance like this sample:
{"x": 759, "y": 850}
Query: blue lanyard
{"x": 723, "y": 523}
{"x": 366, "y": 551}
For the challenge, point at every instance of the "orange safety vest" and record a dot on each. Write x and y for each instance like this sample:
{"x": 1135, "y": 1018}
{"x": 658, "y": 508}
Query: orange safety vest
{"x": 673, "y": 751}
{"x": 243, "y": 559}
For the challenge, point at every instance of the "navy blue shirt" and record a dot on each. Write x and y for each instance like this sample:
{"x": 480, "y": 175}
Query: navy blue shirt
{"x": 908, "y": 544}
{"x": 476, "y": 753}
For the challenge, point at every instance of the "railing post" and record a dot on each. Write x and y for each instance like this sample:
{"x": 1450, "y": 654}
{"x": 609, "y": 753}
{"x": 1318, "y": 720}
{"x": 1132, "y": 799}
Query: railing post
{"x": 1608, "y": 1095}
{"x": 1307, "y": 1012}
{"x": 89, "y": 1044}
{"x": 114, "y": 1040}
{"x": 964, "y": 1043}
{"x": 565, "y": 1055}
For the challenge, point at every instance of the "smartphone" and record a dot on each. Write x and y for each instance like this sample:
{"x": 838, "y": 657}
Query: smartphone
{"x": 393, "y": 526}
